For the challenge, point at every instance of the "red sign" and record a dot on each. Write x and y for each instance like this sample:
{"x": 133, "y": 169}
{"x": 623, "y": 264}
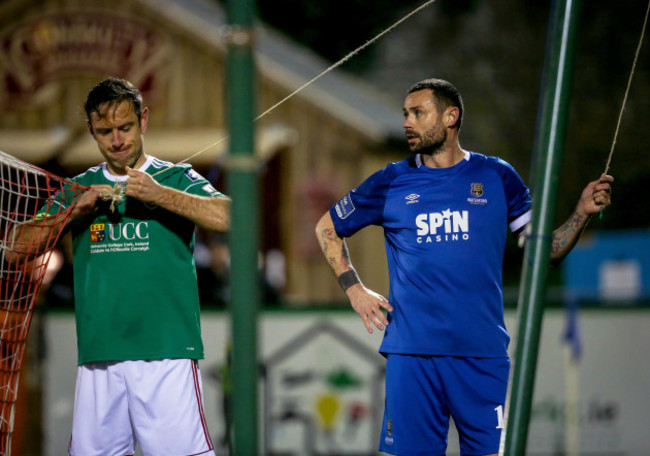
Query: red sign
{"x": 47, "y": 48}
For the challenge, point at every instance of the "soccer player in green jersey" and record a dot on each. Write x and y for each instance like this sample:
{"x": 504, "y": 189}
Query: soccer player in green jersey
{"x": 136, "y": 295}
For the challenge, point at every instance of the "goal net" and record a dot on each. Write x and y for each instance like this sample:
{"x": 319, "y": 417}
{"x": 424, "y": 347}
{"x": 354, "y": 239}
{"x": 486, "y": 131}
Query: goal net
{"x": 30, "y": 226}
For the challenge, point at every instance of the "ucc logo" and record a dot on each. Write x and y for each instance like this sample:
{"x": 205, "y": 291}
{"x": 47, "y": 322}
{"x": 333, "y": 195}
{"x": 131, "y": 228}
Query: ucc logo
{"x": 128, "y": 231}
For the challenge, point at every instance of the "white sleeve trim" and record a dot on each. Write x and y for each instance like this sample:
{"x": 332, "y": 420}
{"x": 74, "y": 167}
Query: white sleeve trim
{"x": 520, "y": 221}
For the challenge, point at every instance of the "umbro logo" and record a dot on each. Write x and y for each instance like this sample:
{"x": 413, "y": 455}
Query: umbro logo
{"x": 412, "y": 198}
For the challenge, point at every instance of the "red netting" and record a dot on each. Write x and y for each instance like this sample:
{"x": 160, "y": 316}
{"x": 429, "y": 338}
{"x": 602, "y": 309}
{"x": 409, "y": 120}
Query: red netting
{"x": 30, "y": 226}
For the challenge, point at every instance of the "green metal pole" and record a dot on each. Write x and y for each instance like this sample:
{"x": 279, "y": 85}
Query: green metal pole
{"x": 243, "y": 188}
{"x": 549, "y": 143}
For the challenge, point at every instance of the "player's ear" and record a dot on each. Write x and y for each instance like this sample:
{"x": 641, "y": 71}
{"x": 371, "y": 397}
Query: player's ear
{"x": 144, "y": 119}
{"x": 90, "y": 128}
{"x": 451, "y": 116}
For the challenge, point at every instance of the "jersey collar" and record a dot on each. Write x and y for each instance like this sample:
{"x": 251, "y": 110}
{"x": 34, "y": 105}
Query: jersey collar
{"x": 419, "y": 162}
{"x": 114, "y": 178}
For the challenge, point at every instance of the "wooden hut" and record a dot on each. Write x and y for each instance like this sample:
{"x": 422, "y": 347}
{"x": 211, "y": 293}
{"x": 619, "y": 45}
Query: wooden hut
{"x": 314, "y": 147}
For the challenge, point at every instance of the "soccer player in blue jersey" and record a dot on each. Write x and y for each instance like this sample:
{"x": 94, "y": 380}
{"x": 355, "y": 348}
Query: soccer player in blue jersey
{"x": 445, "y": 213}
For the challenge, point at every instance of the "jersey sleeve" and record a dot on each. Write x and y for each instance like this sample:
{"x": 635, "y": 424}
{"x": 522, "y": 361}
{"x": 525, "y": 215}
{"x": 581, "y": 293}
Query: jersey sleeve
{"x": 362, "y": 206}
{"x": 58, "y": 201}
{"x": 188, "y": 180}
{"x": 517, "y": 196}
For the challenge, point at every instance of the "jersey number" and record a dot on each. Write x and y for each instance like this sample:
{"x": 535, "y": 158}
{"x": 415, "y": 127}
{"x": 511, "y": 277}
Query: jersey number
{"x": 499, "y": 411}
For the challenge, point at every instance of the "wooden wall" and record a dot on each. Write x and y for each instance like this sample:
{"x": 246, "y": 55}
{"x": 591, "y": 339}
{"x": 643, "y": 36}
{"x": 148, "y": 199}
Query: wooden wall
{"x": 327, "y": 158}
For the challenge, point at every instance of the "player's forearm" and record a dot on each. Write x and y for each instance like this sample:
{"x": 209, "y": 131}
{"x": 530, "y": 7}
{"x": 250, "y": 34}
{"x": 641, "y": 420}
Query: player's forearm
{"x": 210, "y": 213}
{"x": 333, "y": 246}
{"x": 566, "y": 236}
{"x": 31, "y": 239}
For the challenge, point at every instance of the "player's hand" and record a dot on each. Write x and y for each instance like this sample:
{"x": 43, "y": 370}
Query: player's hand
{"x": 369, "y": 305}
{"x": 142, "y": 186}
{"x": 88, "y": 200}
{"x": 596, "y": 195}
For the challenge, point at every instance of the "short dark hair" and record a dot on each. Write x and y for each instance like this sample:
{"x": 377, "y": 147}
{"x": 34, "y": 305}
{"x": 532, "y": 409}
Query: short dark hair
{"x": 113, "y": 91}
{"x": 444, "y": 95}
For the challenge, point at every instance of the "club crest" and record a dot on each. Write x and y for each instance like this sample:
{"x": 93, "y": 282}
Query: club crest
{"x": 477, "y": 192}
{"x": 476, "y": 189}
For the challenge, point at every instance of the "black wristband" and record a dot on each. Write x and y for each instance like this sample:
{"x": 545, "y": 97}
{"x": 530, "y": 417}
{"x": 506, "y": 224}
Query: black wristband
{"x": 348, "y": 278}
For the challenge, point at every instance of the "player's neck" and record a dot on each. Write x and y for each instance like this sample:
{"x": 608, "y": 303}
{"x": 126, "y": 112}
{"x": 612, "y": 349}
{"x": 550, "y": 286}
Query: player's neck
{"x": 120, "y": 169}
{"x": 444, "y": 158}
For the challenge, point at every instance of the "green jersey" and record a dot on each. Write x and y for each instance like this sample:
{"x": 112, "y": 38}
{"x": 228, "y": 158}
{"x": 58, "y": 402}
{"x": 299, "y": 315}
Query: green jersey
{"x": 136, "y": 295}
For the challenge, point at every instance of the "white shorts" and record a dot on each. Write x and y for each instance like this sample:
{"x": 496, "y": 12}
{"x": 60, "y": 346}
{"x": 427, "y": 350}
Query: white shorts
{"x": 158, "y": 404}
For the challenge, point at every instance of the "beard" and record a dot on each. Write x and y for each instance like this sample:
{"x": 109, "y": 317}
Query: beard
{"x": 432, "y": 141}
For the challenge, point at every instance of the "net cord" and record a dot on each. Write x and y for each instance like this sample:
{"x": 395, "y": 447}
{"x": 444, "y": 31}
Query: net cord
{"x": 627, "y": 90}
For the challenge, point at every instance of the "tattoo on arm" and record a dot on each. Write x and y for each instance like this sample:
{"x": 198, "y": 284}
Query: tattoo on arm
{"x": 327, "y": 236}
{"x": 330, "y": 245}
{"x": 567, "y": 235}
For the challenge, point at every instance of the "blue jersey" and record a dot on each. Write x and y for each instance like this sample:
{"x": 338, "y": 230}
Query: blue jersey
{"x": 445, "y": 232}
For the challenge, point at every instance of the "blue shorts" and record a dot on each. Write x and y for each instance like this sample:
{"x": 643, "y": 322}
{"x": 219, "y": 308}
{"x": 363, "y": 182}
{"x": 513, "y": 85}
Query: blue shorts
{"x": 422, "y": 392}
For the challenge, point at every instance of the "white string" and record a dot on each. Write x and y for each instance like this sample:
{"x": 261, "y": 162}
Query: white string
{"x": 347, "y": 57}
{"x": 302, "y": 87}
{"x": 627, "y": 90}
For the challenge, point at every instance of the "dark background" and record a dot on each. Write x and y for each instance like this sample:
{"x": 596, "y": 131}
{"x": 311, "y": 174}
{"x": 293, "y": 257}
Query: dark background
{"x": 494, "y": 53}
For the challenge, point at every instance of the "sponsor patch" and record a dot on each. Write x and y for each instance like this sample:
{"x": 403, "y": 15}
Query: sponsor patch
{"x": 192, "y": 175}
{"x": 208, "y": 188}
{"x": 344, "y": 207}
